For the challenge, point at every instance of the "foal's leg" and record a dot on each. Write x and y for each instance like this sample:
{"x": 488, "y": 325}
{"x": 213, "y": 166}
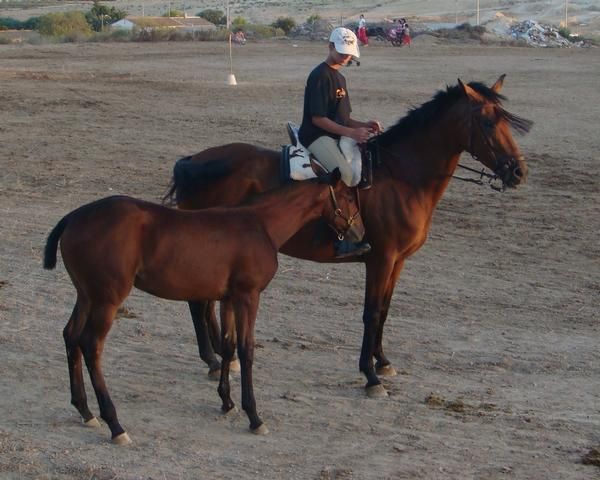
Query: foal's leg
{"x": 71, "y": 334}
{"x": 227, "y": 351}
{"x": 204, "y": 337}
{"x": 92, "y": 345}
{"x": 383, "y": 365}
{"x": 245, "y": 318}
{"x": 379, "y": 273}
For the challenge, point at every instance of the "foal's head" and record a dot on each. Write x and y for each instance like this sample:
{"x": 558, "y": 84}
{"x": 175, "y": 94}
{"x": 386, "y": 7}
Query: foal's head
{"x": 490, "y": 138}
{"x": 342, "y": 211}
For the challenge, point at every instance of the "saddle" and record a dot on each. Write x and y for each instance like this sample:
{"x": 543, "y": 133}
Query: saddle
{"x": 297, "y": 163}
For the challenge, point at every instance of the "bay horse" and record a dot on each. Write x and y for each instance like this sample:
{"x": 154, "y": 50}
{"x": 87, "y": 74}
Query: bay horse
{"x": 227, "y": 254}
{"x": 414, "y": 162}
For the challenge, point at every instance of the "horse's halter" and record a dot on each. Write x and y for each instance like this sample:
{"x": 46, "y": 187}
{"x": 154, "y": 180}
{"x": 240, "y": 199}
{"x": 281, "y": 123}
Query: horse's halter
{"x": 338, "y": 213}
{"x": 501, "y": 169}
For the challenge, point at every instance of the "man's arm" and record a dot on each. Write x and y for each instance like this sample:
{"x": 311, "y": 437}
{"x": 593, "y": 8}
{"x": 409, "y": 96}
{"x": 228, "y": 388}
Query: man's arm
{"x": 358, "y": 131}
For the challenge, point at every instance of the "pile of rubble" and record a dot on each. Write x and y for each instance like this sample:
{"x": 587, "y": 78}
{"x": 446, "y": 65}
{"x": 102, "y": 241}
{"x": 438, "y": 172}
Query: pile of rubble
{"x": 539, "y": 35}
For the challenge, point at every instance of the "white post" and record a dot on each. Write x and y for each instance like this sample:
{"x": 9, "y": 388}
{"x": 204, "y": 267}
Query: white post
{"x": 455, "y": 12}
{"x": 227, "y": 19}
{"x": 477, "y": 12}
{"x": 566, "y": 13}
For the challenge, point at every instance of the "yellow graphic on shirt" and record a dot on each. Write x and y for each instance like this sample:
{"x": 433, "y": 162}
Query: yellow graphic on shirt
{"x": 340, "y": 93}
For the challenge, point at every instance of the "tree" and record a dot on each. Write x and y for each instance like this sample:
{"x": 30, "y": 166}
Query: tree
{"x": 285, "y": 23}
{"x": 213, "y": 16}
{"x": 63, "y": 24}
{"x": 101, "y": 15}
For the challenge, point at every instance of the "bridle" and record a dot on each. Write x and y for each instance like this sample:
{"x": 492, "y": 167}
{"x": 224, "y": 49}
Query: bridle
{"x": 338, "y": 213}
{"x": 499, "y": 168}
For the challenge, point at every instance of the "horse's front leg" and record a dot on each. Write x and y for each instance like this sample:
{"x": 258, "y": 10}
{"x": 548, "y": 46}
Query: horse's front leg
{"x": 377, "y": 290}
{"x": 383, "y": 366}
{"x": 207, "y": 335}
{"x": 246, "y": 307}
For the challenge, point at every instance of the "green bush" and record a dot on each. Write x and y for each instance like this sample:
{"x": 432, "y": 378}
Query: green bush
{"x": 238, "y": 23}
{"x": 285, "y": 23}
{"x": 313, "y": 18}
{"x": 565, "y": 33}
{"x": 7, "y": 23}
{"x": 68, "y": 24}
{"x": 213, "y": 16}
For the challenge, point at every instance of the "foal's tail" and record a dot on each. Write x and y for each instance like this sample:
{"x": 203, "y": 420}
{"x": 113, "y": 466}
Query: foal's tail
{"x": 52, "y": 243}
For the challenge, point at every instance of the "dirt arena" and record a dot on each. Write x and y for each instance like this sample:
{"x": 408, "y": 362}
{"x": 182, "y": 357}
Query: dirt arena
{"x": 493, "y": 327}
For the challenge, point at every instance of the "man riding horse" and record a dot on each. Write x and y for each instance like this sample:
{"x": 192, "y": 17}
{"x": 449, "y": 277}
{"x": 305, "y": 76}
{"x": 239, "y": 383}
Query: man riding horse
{"x": 326, "y": 118}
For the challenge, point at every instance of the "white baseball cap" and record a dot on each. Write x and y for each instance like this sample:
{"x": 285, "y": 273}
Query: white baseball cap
{"x": 345, "y": 42}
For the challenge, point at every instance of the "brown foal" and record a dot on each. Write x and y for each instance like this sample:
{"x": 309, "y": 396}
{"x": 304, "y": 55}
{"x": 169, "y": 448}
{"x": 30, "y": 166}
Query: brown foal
{"x": 226, "y": 254}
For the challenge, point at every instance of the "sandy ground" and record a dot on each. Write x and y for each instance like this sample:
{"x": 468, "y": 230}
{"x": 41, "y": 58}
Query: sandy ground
{"x": 493, "y": 326}
{"x": 583, "y": 16}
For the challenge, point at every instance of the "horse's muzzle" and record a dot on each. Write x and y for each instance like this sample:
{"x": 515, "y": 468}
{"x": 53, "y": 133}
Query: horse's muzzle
{"x": 513, "y": 172}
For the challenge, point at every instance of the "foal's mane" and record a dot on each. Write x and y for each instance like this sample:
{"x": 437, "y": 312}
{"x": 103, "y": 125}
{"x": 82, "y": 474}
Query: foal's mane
{"x": 419, "y": 119}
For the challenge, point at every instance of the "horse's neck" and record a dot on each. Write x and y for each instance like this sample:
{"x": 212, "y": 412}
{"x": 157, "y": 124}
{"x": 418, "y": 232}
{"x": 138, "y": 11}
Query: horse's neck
{"x": 284, "y": 214}
{"x": 427, "y": 161}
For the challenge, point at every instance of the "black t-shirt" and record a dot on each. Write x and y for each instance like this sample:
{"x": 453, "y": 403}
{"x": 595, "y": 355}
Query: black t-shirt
{"x": 325, "y": 95}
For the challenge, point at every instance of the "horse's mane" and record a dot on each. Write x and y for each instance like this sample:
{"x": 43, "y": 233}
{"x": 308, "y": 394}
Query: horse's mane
{"x": 418, "y": 119}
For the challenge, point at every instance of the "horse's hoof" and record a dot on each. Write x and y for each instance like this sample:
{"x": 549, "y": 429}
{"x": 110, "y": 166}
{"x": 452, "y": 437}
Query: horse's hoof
{"x": 214, "y": 375}
{"x": 122, "y": 439}
{"x": 376, "y": 391}
{"x": 387, "y": 371}
{"x": 234, "y": 366}
{"x": 92, "y": 422}
{"x": 260, "y": 430}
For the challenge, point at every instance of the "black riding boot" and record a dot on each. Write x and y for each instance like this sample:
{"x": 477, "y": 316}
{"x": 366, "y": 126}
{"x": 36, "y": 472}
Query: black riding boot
{"x": 345, "y": 248}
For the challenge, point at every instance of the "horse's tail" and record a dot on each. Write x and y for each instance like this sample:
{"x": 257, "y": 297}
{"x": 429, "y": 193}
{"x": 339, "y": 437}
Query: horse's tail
{"x": 190, "y": 175}
{"x": 52, "y": 243}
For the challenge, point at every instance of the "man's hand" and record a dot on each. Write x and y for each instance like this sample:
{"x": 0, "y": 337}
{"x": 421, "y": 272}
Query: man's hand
{"x": 361, "y": 134}
{"x": 374, "y": 126}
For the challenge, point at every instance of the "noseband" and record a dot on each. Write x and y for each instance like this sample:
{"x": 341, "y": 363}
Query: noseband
{"x": 338, "y": 213}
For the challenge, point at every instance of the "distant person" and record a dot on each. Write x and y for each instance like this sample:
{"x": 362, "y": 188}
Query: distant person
{"x": 326, "y": 118}
{"x": 362, "y": 31}
{"x": 406, "y": 35}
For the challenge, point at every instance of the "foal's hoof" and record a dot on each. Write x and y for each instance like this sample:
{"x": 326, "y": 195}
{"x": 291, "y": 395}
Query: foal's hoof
{"x": 214, "y": 375}
{"x": 122, "y": 439}
{"x": 92, "y": 422}
{"x": 260, "y": 430}
{"x": 387, "y": 371}
{"x": 229, "y": 413}
{"x": 234, "y": 366}
{"x": 376, "y": 391}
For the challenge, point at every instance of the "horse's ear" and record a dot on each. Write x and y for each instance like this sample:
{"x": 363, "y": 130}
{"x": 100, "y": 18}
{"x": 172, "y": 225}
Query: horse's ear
{"x": 496, "y": 87}
{"x": 468, "y": 91}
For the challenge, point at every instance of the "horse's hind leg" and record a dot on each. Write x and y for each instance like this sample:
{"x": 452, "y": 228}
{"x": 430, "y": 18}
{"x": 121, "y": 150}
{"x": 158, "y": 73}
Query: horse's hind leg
{"x": 202, "y": 316}
{"x": 71, "y": 334}
{"x": 383, "y": 366}
{"x": 227, "y": 351}
{"x": 92, "y": 345}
